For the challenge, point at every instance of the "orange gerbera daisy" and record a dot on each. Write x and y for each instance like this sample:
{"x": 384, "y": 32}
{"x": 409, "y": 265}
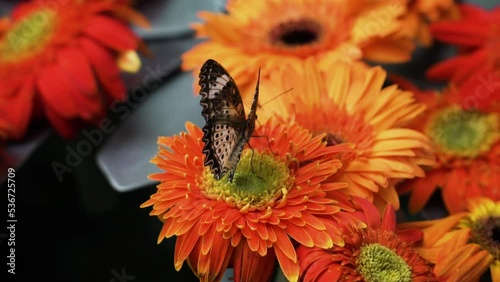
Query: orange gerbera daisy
{"x": 379, "y": 252}
{"x": 467, "y": 148}
{"x": 61, "y": 60}
{"x": 464, "y": 245}
{"x": 423, "y": 12}
{"x": 349, "y": 104}
{"x": 278, "y": 193}
{"x": 476, "y": 69}
{"x": 281, "y": 34}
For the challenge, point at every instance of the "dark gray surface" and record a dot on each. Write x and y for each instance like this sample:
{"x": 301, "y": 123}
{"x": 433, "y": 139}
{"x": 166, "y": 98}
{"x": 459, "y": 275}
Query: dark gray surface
{"x": 173, "y": 18}
{"x": 124, "y": 158}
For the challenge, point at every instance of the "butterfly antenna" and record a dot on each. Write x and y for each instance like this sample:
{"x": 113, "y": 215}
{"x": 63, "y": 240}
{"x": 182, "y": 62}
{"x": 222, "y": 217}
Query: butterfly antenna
{"x": 267, "y": 139}
{"x": 274, "y": 98}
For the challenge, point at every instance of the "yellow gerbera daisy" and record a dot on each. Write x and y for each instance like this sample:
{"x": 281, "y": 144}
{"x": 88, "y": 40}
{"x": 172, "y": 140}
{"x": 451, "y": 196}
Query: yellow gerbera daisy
{"x": 281, "y": 34}
{"x": 349, "y": 104}
{"x": 278, "y": 193}
{"x": 464, "y": 245}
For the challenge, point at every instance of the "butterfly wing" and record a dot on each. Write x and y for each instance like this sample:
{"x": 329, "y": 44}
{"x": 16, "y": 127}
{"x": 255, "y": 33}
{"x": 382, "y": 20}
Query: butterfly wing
{"x": 224, "y": 114}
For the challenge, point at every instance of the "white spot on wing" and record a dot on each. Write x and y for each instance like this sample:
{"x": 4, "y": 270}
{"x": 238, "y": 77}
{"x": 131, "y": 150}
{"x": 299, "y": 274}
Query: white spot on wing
{"x": 220, "y": 83}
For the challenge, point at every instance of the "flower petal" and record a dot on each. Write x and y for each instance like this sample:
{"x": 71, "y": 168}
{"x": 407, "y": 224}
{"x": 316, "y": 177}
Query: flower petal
{"x": 111, "y": 33}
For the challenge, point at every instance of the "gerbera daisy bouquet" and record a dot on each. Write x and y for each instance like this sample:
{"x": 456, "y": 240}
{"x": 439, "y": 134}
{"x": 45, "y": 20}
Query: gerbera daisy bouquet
{"x": 311, "y": 162}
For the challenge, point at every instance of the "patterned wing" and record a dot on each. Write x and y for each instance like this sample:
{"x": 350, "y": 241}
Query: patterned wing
{"x": 224, "y": 114}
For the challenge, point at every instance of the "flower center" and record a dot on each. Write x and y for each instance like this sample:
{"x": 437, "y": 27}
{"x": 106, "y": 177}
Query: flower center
{"x": 258, "y": 182}
{"x": 28, "y": 37}
{"x": 379, "y": 263}
{"x": 295, "y": 33}
{"x": 486, "y": 233}
{"x": 464, "y": 133}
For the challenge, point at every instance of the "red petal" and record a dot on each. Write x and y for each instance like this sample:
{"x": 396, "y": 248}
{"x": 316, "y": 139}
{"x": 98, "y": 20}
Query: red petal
{"x": 289, "y": 267}
{"x": 284, "y": 244}
{"x": 422, "y": 189}
{"x": 482, "y": 91}
{"x": 22, "y": 10}
{"x": 79, "y": 70}
{"x": 470, "y": 11}
{"x": 105, "y": 68}
{"x": 19, "y": 109}
{"x": 370, "y": 212}
{"x": 444, "y": 70}
{"x": 474, "y": 62}
{"x": 88, "y": 107}
{"x": 219, "y": 257}
{"x": 410, "y": 235}
{"x": 184, "y": 246}
{"x": 389, "y": 219}
{"x": 57, "y": 92}
{"x": 300, "y": 234}
{"x": 466, "y": 33}
{"x": 67, "y": 128}
{"x": 111, "y": 33}
{"x": 250, "y": 266}
{"x": 454, "y": 191}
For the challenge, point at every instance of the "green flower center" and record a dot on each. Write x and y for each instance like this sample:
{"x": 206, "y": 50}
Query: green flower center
{"x": 378, "y": 263}
{"x": 259, "y": 180}
{"x": 28, "y": 37}
{"x": 486, "y": 233}
{"x": 464, "y": 133}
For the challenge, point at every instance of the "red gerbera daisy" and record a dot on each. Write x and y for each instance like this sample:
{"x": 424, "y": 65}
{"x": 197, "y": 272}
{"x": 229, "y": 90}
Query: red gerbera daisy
{"x": 278, "y": 193}
{"x": 61, "y": 60}
{"x": 476, "y": 69}
{"x": 379, "y": 252}
{"x": 467, "y": 150}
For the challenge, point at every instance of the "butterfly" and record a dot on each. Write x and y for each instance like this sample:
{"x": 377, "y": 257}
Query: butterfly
{"x": 226, "y": 129}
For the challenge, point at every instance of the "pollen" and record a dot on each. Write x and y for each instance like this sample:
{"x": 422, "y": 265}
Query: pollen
{"x": 28, "y": 37}
{"x": 259, "y": 182}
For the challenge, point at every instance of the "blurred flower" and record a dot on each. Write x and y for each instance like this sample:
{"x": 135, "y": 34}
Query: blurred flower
{"x": 423, "y": 12}
{"x": 379, "y": 252}
{"x": 464, "y": 245}
{"x": 467, "y": 149}
{"x": 281, "y": 34}
{"x": 278, "y": 193}
{"x": 476, "y": 68}
{"x": 349, "y": 104}
{"x": 60, "y": 60}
